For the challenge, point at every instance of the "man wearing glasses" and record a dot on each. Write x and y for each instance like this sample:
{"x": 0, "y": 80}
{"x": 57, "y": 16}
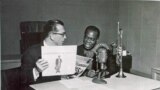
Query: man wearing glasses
{"x": 32, "y": 65}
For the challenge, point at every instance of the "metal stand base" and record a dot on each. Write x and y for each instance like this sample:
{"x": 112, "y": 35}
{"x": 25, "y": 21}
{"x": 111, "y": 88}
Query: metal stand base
{"x": 121, "y": 75}
{"x": 99, "y": 81}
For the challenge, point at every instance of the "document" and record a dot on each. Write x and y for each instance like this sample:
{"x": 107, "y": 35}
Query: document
{"x": 75, "y": 83}
{"x": 61, "y": 59}
{"x": 96, "y": 87}
{"x": 80, "y": 84}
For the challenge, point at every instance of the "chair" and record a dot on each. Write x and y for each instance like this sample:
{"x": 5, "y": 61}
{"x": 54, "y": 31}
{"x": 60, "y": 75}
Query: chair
{"x": 127, "y": 63}
{"x": 10, "y": 79}
{"x": 31, "y": 33}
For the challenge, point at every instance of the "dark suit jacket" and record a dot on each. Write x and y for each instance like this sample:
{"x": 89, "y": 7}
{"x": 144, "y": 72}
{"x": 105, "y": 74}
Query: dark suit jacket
{"x": 112, "y": 67}
{"x": 28, "y": 62}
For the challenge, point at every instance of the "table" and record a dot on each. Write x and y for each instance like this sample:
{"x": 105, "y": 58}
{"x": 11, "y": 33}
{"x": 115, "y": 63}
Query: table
{"x": 131, "y": 82}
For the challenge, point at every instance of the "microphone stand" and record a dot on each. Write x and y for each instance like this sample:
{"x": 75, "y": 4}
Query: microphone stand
{"x": 101, "y": 58}
{"x": 98, "y": 79}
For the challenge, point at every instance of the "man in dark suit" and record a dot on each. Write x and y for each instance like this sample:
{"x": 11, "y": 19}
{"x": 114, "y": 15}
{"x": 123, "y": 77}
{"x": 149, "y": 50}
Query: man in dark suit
{"x": 87, "y": 49}
{"x": 32, "y": 65}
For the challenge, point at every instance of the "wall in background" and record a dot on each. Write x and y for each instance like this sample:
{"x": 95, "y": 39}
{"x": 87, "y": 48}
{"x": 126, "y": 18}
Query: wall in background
{"x": 76, "y": 14}
{"x": 139, "y": 20}
{"x": 141, "y": 24}
{"x": 0, "y": 25}
{"x": 0, "y": 38}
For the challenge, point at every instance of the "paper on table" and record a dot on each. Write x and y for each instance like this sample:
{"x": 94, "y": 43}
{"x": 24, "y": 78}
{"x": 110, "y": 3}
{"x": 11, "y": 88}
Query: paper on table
{"x": 61, "y": 59}
{"x": 74, "y": 83}
{"x": 55, "y": 85}
{"x": 96, "y": 87}
{"x": 83, "y": 85}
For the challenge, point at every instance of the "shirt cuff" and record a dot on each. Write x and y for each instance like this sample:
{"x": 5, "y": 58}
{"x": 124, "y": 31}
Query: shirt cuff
{"x": 35, "y": 74}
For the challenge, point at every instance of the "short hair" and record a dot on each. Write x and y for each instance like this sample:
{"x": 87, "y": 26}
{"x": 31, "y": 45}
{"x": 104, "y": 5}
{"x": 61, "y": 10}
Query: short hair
{"x": 94, "y": 29}
{"x": 51, "y": 25}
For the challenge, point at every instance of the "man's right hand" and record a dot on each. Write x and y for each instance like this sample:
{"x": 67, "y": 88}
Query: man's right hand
{"x": 91, "y": 73}
{"x": 41, "y": 65}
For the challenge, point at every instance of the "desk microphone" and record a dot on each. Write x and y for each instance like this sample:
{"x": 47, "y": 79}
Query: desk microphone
{"x": 101, "y": 59}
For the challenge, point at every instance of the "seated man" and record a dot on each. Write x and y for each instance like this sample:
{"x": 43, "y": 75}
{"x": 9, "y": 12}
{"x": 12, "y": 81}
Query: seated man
{"x": 32, "y": 65}
{"x": 91, "y": 36}
{"x": 87, "y": 49}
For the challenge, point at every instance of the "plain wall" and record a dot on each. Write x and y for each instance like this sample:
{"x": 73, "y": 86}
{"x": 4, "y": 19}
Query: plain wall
{"x": 141, "y": 24}
{"x": 139, "y": 20}
{"x": 76, "y": 14}
{"x": 0, "y": 40}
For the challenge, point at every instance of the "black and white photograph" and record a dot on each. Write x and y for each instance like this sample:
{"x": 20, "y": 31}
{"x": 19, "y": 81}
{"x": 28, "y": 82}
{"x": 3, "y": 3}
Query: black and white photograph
{"x": 41, "y": 40}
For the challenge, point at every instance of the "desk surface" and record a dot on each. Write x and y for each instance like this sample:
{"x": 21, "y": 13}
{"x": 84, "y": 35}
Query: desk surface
{"x": 131, "y": 82}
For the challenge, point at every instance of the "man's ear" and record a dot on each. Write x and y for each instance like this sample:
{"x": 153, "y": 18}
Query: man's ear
{"x": 50, "y": 33}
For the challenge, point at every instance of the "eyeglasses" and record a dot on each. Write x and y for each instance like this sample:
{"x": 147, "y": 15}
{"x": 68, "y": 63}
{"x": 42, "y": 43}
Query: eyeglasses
{"x": 62, "y": 34}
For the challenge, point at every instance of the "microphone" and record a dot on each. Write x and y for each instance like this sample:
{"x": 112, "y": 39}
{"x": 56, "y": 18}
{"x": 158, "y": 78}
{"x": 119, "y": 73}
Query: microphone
{"x": 102, "y": 60}
{"x": 102, "y": 57}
